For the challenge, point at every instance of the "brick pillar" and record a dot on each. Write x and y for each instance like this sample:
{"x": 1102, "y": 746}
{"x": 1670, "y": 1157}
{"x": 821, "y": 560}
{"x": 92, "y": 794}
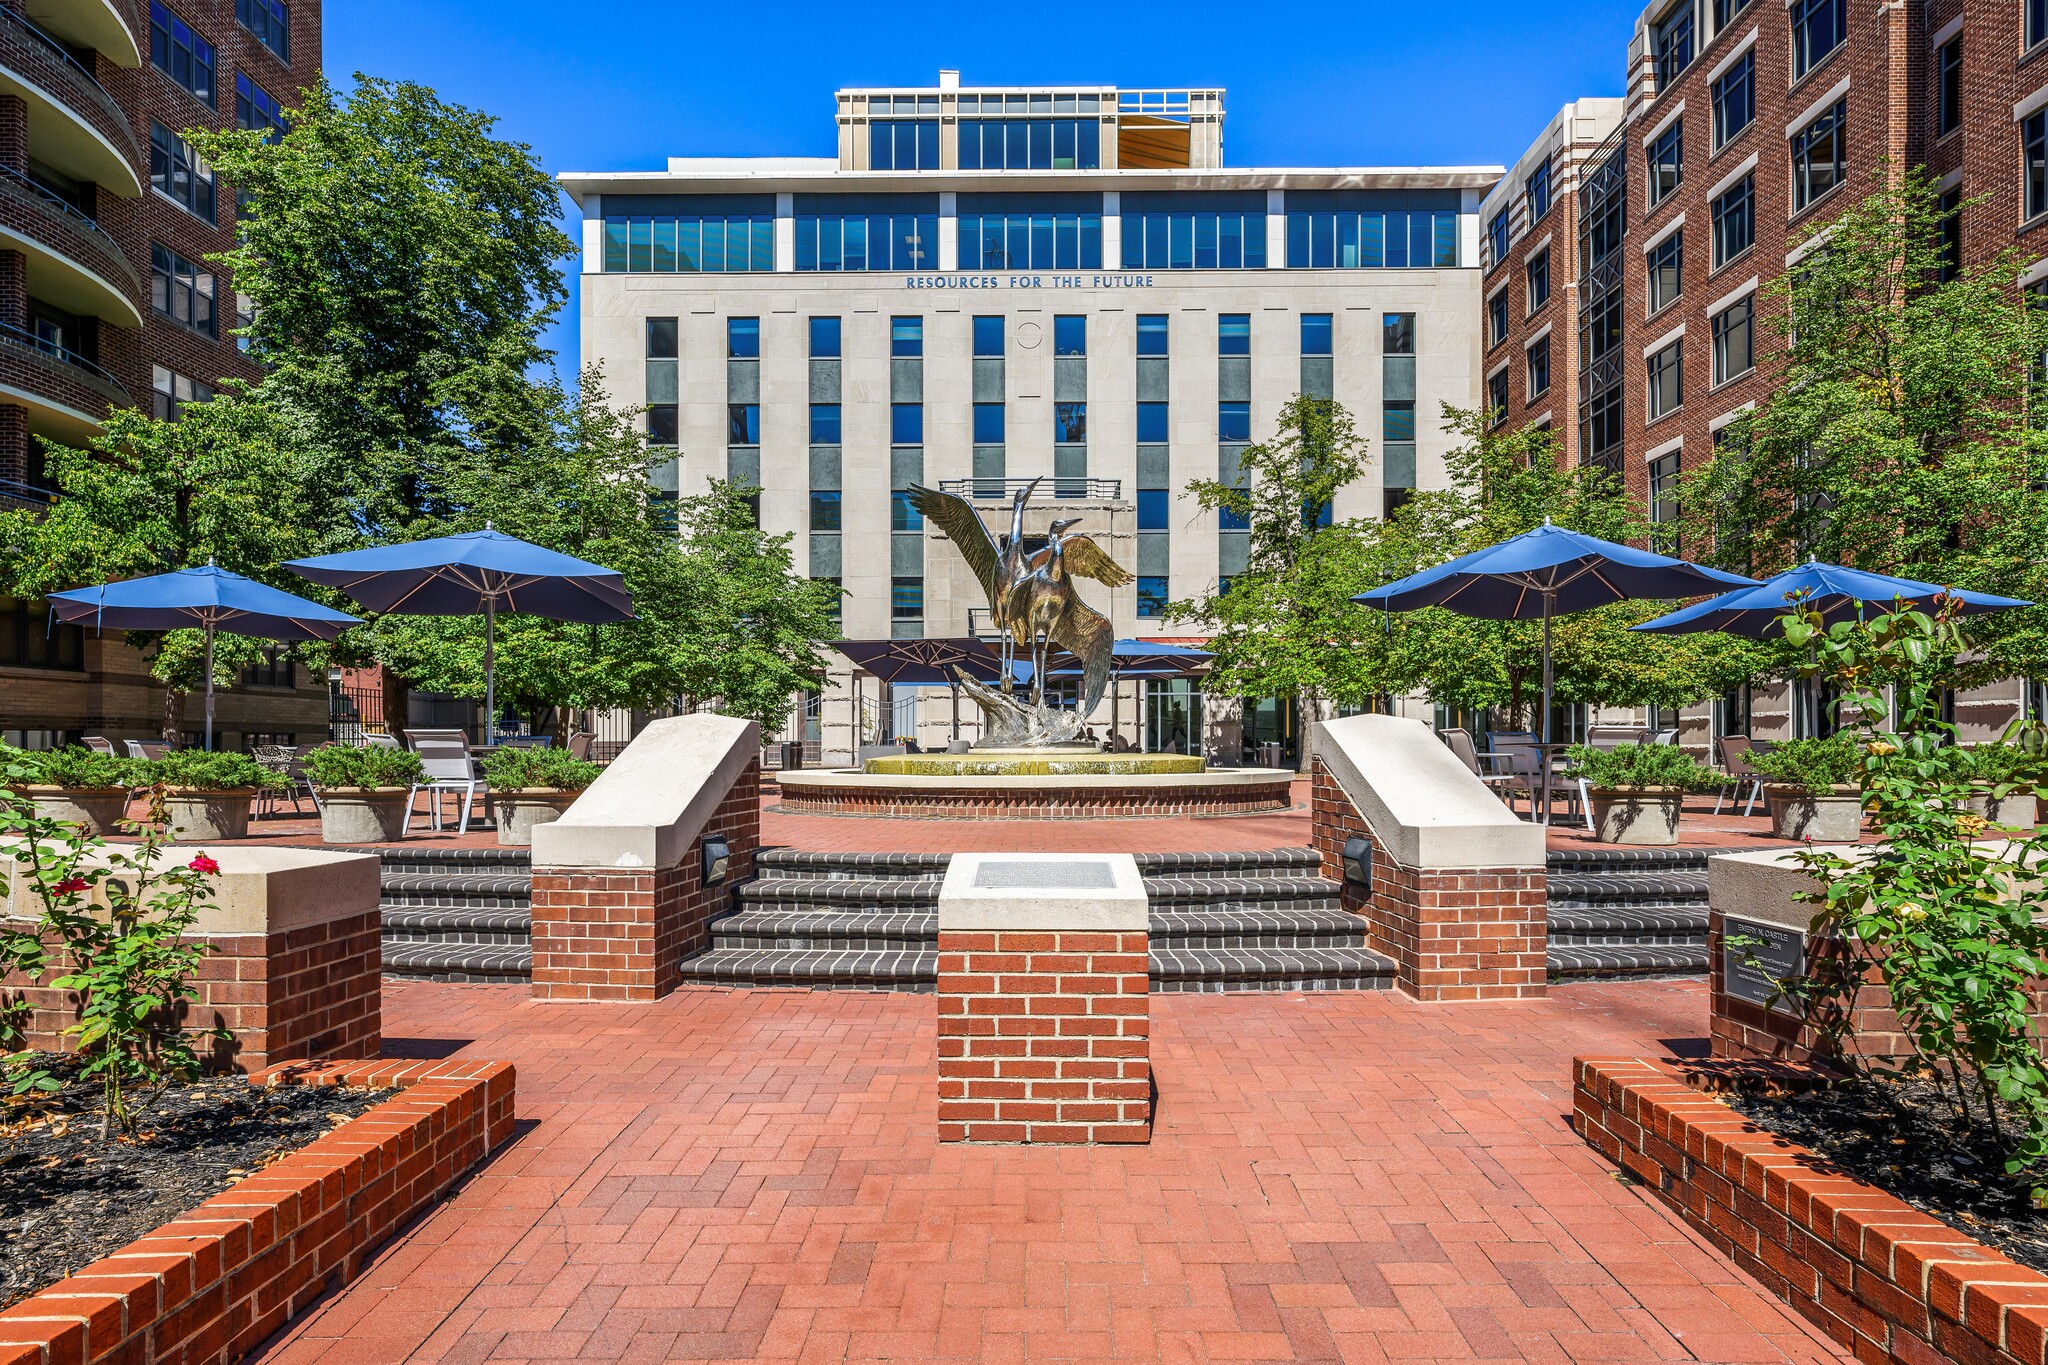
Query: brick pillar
{"x": 13, "y": 133}
{"x": 13, "y": 289}
{"x": 620, "y": 893}
{"x": 18, "y": 452}
{"x": 1044, "y": 1013}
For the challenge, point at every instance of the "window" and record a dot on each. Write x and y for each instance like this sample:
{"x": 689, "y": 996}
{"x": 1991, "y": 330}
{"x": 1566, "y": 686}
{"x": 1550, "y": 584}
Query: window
{"x": 274, "y": 669}
{"x": 1817, "y": 156}
{"x": 1233, "y": 421}
{"x": 2037, "y": 22}
{"x": 1194, "y": 230}
{"x": 1234, "y": 334}
{"x": 1667, "y": 391}
{"x": 1664, "y": 501}
{"x": 825, "y": 509}
{"x": 1496, "y": 397}
{"x": 824, "y": 424}
{"x": 270, "y": 21}
{"x": 29, "y": 639}
{"x": 170, "y": 393}
{"x": 903, "y": 144}
{"x": 177, "y": 173}
{"x": 1152, "y": 596}
{"x": 1666, "y": 262}
{"x": 1671, "y": 44}
{"x": 1734, "y": 99}
{"x": 1070, "y": 335}
{"x": 2034, "y": 147}
{"x": 1539, "y": 368}
{"x": 1726, "y": 10}
{"x": 1315, "y": 334}
{"x": 988, "y": 424}
{"x": 824, "y": 338}
{"x": 1070, "y": 423}
{"x": 257, "y": 109}
{"x": 1030, "y": 144}
{"x": 181, "y": 54}
{"x": 906, "y": 424}
{"x": 903, "y": 513}
{"x": 1948, "y": 102}
{"x": 1539, "y": 279}
{"x": 743, "y": 424}
{"x": 1818, "y": 27}
{"x": 1734, "y": 214}
{"x": 1152, "y": 334}
{"x": 666, "y": 234}
{"x": 1030, "y": 231}
{"x": 1397, "y": 334}
{"x": 906, "y": 338}
{"x": 1666, "y": 158}
{"x": 1951, "y": 235}
{"x": 1537, "y": 188}
{"x": 988, "y": 336}
{"x": 1735, "y": 340}
{"x": 906, "y": 599}
{"x": 245, "y": 321}
{"x": 1153, "y": 508}
{"x": 1600, "y": 326}
{"x": 1497, "y": 236}
{"x": 1152, "y": 424}
{"x": 1497, "y": 318}
{"x": 661, "y": 338}
{"x": 1372, "y": 229}
{"x": 663, "y": 426}
{"x": 743, "y": 338}
{"x": 181, "y": 291}
{"x": 858, "y": 232}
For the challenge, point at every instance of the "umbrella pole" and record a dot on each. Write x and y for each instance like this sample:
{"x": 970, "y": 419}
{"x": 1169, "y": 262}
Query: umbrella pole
{"x": 1544, "y": 763}
{"x": 490, "y": 671}
{"x": 209, "y": 687}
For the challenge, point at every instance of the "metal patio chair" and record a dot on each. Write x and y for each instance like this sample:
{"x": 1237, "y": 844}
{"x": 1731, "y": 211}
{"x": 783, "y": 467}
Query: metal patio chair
{"x": 1487, "y": 767}
{"x": 1733, "y": 751}
{"x": 449, "y": 768}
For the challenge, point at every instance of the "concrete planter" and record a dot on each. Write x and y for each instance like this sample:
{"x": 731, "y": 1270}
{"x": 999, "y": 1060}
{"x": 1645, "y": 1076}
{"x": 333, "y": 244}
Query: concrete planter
{"x": 519, "y": 809}
{"x": 98, "y": 809}
{"x": 1636, "y": 815}
{"x": 198, "y": 814}
{"x": 362, "y": 815}
{"x": 1836, "y": 818}
{"x": 2014, "y": 812}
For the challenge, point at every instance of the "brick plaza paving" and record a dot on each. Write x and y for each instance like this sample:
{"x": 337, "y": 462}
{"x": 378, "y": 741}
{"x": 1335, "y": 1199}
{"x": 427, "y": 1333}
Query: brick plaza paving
{"x": 754, "y": 1175}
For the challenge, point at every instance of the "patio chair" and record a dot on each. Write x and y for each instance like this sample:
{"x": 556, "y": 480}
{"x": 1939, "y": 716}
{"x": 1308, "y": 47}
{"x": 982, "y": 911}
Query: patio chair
{"x": 150, "y": 749}
{"x": 1608, "y": 738}
{"x": 445, "y": 756}
{"x": 378, "y": 739}
{"x": 1733, "y": 751}
{"x": 1530, "y": 774}
{"x": 1486, "y": 767}
{"x": 100, "y": 744}
{"x": 960, "y": 746}
{"x": 1666, "y": 736}
{"x": 580, "y": 742}
{"x": 272, "y": 758}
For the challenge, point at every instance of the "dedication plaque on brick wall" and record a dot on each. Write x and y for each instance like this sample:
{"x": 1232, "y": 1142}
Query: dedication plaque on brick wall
{"x": 1753, "y": 969}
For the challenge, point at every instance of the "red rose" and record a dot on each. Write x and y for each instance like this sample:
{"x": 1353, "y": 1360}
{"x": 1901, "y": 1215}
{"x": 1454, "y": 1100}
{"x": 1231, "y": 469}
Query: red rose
{"x": 202, "y": 863}
{"x": 71, "y": 886}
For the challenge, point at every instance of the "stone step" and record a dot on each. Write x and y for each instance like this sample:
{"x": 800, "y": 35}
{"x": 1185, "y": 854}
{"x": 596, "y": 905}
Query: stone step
{"x": 1620, "y": 962}
{"x": 438, "y": 961}
{"x": 1183, "y": 970}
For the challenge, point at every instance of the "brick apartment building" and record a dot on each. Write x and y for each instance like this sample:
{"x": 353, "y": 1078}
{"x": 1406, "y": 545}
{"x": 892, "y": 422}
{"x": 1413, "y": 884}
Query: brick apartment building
{"x": 107, "y": 299}
{"x": 1745, "y": 123}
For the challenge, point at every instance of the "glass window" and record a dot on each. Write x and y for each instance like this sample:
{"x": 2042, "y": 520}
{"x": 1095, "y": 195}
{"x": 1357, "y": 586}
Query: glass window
{"x": 1725, "y": 10}
{"x": 1817, "y": 160}
{"x": 988, "y": 336}
{"x": 1818, "y": 27}
{"x": 1671, "y": 43}
{"x": 1070, "y": 423}
{"x": 857, "y": 232}
{"x": 1397, "y": 334}
{"x": 1152, "y": 424}
{"x": 1497, "y": 236}
{"x": 1951, "y": 235}
{"x": 1600, "y": 326}
{"x": 1315, "y": 334}
{"x": 662, "y": 426}
{"x": 181, "y": 54}
{"x": 825, "y": 509}
{"x": 2034, "y": 142}
{"x": 1734, "y": 214}
{"x": 824, "y": 338}
{"x": 181, "y": 291}
{"x": 1539, "y": 368}
{"x": 688, "y": 234}
{"x": 2036, "y": 22}
{"x": 1030, "y": 231}
{"x": 743, "y": 424}
{"x": 906, "y": 424}
{"x": 1152, "y": 596}
{"x": 1397, "y": 422}
{"x": 1154, "y": 505}
{"x": 1233, "y": 421}
{"x": 1735, "y": 340}
{"x": 171, "y": 393}
{"x": 1497, "y": 318}
{"x": 256, "y": 109}
{"x": 270, "y": 21}
{"x": 743, "y": 338}
{"x": 906, "y": 337}
{"x": 1348, "y": 238}
{"x": 906, "y": 599}
{"x": 1666, "y": 389}
{"x": 661, "y": 338}
{"x": 1537, "y": 189}
{"x": 988, "y": 424}
{"x": 1039, "y": 144}
{"x": 1539, "y": 279}
{"x": 1664, "y": 500}
{"x": 903, "y": 513}
{"x": 30, "y": 639}
{"x": 1666, "y": 158}
{"x": 1666, "y": 262}
{"x": 176, "y": 172}
{"x": 1948, "y": 105}
{"x": 1497, "y": 397}
{"x": 1734, "y": 98}
{"x": 824, "y": 424}
{"x": 1070, "y": 335}
{"x": 903, "y": 144}
{"x": 1152, "y": 334}
{"x": 1194, "y": 230}
{"x": 1234, "y": 334}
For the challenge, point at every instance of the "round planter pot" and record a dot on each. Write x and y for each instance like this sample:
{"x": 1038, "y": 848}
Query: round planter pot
{"x": 362, "y": 815}
{"x": 2016, "y": 811}
{"x": 1836, "y": 818}
{"x": 519, "y": 809}
{"x": 197, "y": 815}
{"x": 1636, "y": 815}
{"x": 98, "y": 809}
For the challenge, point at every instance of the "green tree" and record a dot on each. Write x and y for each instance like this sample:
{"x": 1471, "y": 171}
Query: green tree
{"x": 148, "y": 497}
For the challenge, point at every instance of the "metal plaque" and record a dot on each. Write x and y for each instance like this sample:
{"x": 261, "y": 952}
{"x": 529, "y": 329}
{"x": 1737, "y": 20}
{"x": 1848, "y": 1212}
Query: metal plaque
{"x": 1753, "y": 970}
{"x": 1021, "y": 876}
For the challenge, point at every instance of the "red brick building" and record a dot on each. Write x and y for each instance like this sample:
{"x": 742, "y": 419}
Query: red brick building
{"x": 106, "y": 296}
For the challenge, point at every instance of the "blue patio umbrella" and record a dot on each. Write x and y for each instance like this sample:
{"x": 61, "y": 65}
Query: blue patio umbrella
{"x": 1542, "y": 573}
{"x": 1840, "y": 594}
{"x": 474, "y": 571}
{"x": 209, "y": 599}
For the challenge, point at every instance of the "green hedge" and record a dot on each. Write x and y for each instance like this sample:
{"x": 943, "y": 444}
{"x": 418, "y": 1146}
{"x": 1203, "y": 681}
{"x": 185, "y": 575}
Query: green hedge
{"x": 516, "y": 766}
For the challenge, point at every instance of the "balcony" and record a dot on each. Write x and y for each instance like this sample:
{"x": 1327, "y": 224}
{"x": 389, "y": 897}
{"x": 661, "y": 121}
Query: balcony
{"x": 71, "y": 261}
{"x": 1002, "y": 490}
{"x": 67, "y": 396}
{"x": 98, "y": 25}
{"x": 74, "y": 124}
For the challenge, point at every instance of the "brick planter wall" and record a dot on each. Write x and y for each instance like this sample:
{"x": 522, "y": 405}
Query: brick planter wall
{"x": 213, "y": 1285}
{"x": 1478, "y": 933}
{"x": 1044, "y": 1036}
{"x": 621, "y": 935}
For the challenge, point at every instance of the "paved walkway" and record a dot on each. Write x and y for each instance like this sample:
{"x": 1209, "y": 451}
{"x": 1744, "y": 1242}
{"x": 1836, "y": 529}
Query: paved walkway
{"x": 752, "y": 1175}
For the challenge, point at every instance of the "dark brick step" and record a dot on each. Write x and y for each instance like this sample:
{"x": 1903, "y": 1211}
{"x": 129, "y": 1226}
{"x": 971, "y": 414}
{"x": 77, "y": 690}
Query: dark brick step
{"x": 419, "y": 861}
{"x": 453, "y": 919}
{"x": 495, "y": 886}
{"x": 823, "y": 930}
{"x": 1177, "y": 969}
{"x": 1621, "y": 962}
{"x": 853, "y": 893}
{"x": 1217, "y": 890}
{"x": 1579, "y": 890}
{"x": 458, "y": 962}
{"x": 1265, "y": 862}
{"x": 788, "y": 863}
{"x": 1257, "y": 927}
{"x": 1595, "y": 860}
{"x": 902, "y": 969}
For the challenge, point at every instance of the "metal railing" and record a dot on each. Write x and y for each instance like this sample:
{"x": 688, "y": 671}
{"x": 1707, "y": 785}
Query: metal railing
{"x": 77, "y": 74}
{"x": 49, "y": 201}
{"x": 1002, "y": 490}
{"x": 16, "y": 491}
{"x": 49, "y": 352}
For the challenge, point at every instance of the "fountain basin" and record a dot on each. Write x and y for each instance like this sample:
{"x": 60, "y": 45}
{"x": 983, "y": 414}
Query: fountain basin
{"x": 1062, "y": 762}
{"x": 1081, "y": 796}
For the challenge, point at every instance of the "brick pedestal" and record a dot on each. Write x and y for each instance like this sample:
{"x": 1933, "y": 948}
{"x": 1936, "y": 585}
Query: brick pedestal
{"x": 1044, "y": 1016}
{"x": 620, "y": 898}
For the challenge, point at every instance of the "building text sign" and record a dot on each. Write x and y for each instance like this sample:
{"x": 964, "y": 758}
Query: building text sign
{"x": 1027, "y": 281}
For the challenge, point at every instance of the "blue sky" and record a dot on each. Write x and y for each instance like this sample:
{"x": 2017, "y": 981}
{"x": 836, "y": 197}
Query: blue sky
{"x": 624, "y": 84}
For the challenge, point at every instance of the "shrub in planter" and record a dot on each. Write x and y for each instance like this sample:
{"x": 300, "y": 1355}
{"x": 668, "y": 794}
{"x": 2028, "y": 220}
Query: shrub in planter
{"x": 1638, "y": 790}
{"x": 1988, "y": 768}
{"x": 207, "y": 795}
{"x": 78, "y": 785}
{"x": 1812, "y": 786}
{"x": 362, "y": 791}
{"x": 534, "y": 786}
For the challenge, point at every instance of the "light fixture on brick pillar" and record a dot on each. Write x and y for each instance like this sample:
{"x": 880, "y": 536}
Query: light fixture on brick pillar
{"x": 717, "y": 859}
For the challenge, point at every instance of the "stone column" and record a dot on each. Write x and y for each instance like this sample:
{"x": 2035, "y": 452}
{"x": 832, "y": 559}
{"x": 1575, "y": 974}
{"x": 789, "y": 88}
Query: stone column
{"x": 1044, "y": 1017}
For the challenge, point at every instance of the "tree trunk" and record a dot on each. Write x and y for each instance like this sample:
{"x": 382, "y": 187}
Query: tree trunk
{"x": 1306, "y": 713}
{"x": 173, "y": 732}
{"x": 397, "y": 699}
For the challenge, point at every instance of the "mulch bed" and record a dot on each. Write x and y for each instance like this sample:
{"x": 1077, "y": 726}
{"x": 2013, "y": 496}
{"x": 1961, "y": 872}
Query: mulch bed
{"x": 69, "y": 1197}
{"x": 1903, "y": 1137}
